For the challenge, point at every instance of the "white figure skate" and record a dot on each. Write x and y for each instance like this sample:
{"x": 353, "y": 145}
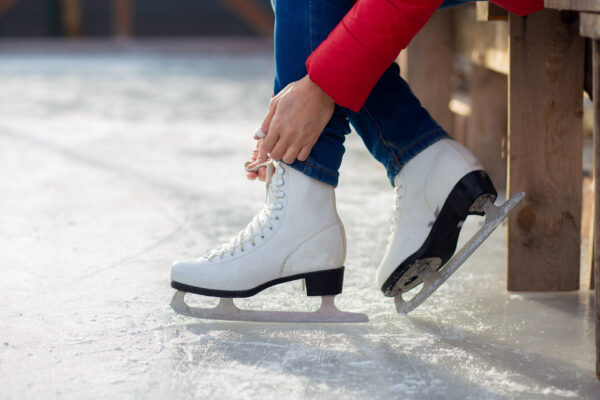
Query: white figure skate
{"x": 435, "y": 192}
{"x": 297, "y": 235}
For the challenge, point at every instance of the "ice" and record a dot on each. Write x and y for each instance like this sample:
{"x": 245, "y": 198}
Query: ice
{"x": 114, "y": 163}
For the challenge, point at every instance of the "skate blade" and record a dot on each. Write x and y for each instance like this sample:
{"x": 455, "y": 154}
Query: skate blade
{"x": 226, "y": 310}
{"x": 432, "y": 279}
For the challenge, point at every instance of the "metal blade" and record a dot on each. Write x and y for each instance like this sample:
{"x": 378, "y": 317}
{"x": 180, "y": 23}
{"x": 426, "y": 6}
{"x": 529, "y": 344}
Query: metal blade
{"x": 432, "y": 280}
{"x": 226, "y": 310}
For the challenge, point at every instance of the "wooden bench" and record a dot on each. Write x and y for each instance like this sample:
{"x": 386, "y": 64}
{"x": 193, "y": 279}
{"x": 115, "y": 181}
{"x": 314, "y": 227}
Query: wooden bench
{"x": 524, "y": 120}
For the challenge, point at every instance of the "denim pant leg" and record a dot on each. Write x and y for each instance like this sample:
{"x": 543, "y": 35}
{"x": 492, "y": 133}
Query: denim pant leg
{"x": 300, "y": 26}
{"x": 393, "y": 124}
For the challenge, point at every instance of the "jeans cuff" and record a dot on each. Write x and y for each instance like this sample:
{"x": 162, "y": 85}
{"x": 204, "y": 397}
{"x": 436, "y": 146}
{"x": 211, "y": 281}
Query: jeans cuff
{"x": 317, "y": 171}
{"x": 423, "y": 142}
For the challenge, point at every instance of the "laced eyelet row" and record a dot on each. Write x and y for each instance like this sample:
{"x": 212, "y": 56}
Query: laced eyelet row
{"x": 264, "y": 219}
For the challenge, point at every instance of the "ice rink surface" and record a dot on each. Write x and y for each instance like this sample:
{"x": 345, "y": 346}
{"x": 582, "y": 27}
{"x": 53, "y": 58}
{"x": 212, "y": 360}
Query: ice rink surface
{"x": 114, "y": 163}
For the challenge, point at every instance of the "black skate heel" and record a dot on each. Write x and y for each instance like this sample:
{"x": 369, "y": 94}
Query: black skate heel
{"x": 324, "y": 283}
{"x": 470, "y": 193}
{"x": 466, "y": 198}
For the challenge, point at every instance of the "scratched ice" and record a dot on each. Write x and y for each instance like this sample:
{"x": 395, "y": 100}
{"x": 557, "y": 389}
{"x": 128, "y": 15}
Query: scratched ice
{"x": 115, "y": 163}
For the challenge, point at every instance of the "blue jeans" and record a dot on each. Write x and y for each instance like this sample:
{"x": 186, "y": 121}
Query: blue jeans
{"x": 392, "y": 123}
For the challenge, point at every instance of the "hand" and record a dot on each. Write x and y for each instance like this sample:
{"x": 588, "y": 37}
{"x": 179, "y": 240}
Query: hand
{"x": 295, "y": 120}
{"x": 257, "y": 157}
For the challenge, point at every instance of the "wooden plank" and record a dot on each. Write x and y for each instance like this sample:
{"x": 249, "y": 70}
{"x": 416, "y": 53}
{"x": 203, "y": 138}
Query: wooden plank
{"x": 574, "y": 5}
{"x": 596, "y": 172}
{"x": 587, "y": 228}
{"x": 481, "y": 43}
{"x": 487, "y": 11}
{"x": 428, "y": 68}
{"x": 589, "y": 25}
{"x": 591, "y": 252}
{"x": 545, "y": 152}
{"x": 487, "y": 125}
{"x": 6, "y": 5}
{"x": 71, "y": 17}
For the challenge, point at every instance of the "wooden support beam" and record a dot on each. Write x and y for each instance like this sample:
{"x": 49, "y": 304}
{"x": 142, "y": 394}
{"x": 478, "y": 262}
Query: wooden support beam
{"x": 6, "y": 5}
{"x": 589, "y": 25}
{"x": 71, "y": 17}
{"x": 123, "y": 17}
{"x": 573, "y": 5}
{"x": 487, "y": 11}
{"x": 487, "y": 124}
{"x": 596, "y": 168}
{"x": 428, "y": 70}
{"x": 589, "y": 197}
{"x": 480, "y": 43}
{"x": 545, "y": 151}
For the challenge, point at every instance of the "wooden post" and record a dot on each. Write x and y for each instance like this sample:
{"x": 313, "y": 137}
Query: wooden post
{"x": 596, "y": 237}
{"x": 71, "y": 17}
{"x": 487, "y": 11}
{"x": 428, "y": 70}
{"x": 574, "y": 5}
{"x": 6, "y": 5}
{"x": 487, "y": 125}
{"x": 545, "y": 151}
{"x": 123, "y": 17}
{"x": 590, "y": 27}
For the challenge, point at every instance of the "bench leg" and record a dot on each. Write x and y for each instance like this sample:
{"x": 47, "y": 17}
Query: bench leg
{"x": 486, "y": 126}
{"x": 545, "y": 151}
{"x": 595, "y": 239}
{"x": 123, "y": 17}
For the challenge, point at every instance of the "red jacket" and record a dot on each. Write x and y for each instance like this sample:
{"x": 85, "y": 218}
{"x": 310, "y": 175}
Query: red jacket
{"x": 367, "y": 41}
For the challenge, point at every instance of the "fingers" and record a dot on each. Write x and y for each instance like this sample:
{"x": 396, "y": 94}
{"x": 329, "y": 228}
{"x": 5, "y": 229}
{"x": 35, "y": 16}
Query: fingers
{"x": 261, "y": 175}
{"x": 304, "y": 153}
{"x": 251, "y": 175}
{"x": 257, "y": 157}
{"x": 271, "y": 140}
{"x": 279, "y": 148}
{"x": 262, "y": 155}
{"x": 295, "y": 120}
{"x": 290, "y": 154}
{"x": 264, "y": 127}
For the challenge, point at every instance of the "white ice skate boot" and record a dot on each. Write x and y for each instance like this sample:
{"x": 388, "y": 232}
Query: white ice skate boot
{"x": 435, "y": 192}
{"x": 297, "y": 235}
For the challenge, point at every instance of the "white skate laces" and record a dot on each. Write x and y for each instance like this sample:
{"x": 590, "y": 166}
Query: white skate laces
{"x": 398, "y": 196}
{"x": 264, "y": 220}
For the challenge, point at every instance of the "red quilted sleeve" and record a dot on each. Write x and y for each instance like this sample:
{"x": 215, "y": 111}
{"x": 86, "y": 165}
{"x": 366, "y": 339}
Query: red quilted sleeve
{"x": 357, "y": 52}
